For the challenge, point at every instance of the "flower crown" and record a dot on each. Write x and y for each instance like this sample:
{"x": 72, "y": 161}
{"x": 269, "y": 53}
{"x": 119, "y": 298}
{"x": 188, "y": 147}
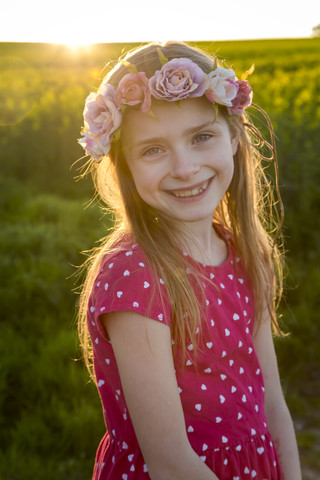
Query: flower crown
{"x": 178, "y": 79}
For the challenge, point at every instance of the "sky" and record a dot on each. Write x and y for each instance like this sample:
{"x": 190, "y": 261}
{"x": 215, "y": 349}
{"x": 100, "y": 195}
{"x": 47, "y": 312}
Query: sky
{"x": 104, "y": 21}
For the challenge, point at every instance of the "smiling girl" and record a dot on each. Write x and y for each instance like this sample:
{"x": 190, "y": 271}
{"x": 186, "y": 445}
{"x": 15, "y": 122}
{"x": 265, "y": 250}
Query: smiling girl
{"x": 179, "y": 301}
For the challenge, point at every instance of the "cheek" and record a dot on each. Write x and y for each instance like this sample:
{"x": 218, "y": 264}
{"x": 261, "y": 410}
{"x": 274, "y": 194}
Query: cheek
{"x": 145, "y": 184}
{"x": 147, "y": 176}
{"x": 224, "y": 159}
{"x": 226, "y": 168}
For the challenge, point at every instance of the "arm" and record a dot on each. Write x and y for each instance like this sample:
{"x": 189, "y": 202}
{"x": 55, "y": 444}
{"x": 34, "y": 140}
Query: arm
{"x": 143, "y": 352}
{"x": 279, "y": 419}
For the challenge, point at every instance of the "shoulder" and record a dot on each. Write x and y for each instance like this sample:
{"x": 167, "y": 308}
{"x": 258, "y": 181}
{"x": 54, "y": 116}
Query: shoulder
{"x": 122, "y": 257}
{"x": 125, "y": 282}
{"x": 125, "y": 265}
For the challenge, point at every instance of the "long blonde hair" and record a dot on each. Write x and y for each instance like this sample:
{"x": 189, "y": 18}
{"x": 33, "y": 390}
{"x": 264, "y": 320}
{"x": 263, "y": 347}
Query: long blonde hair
{"x": 248, "y": 210}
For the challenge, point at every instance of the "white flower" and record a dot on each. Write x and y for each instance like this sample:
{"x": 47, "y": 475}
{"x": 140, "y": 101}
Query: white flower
{"x": 222, "y": 87}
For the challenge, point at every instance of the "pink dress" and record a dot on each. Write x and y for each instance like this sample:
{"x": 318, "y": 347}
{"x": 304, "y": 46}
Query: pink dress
{"x": 222, "y": 400}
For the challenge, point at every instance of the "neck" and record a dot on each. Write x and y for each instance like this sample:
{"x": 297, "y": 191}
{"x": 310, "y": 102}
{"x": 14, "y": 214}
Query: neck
{"x": 205, "y": 245}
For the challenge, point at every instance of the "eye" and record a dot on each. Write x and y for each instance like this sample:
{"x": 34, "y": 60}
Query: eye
{"x": 152, "y": 151}
{"x": 202, "y": 137}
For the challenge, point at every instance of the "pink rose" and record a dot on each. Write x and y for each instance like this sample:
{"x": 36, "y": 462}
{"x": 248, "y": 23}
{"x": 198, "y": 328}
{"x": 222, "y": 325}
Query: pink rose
{"x": 93, "y": 146}
{"x": 101, "y": 114}
{"x": 178, "y": 79}
{"x": 222, "y": 87}
{"x": 243, "y": 98}
{"x": 102, "y": 117}
{"x": 133, "y": 89}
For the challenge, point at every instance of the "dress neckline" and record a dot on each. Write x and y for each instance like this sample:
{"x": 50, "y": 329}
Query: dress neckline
{"x": 225, "y": 236}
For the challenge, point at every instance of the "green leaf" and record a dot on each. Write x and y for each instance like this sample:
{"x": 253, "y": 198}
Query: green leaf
{"x": 132, "y": 68}
{"x": 246, "y": 74}
{"x": 116, "y": 135}
{"x": 215, "y": 107}
{"x": 163, "y": 59}
{"x": 152, "y": 115}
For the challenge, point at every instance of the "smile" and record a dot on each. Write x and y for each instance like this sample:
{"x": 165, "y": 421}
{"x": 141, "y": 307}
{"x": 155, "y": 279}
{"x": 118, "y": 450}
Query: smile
{"x": 192, "y": 192}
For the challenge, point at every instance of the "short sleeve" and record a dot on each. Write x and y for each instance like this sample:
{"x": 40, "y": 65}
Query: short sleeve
{"x": 126, "y": 283}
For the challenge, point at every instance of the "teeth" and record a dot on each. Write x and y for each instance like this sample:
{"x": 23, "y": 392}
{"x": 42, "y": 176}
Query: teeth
{"x": 191, "y": 193}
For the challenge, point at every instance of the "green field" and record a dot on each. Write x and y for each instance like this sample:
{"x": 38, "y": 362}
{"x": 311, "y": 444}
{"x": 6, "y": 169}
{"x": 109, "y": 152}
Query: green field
{"x": 50, "y": 414}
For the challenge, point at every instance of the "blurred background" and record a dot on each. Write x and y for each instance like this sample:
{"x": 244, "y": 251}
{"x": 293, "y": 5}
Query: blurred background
{"x": 50, "y": 58}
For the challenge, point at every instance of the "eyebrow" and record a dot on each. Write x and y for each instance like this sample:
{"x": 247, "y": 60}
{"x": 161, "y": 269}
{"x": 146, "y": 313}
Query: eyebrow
{"x": 188, "y": 131}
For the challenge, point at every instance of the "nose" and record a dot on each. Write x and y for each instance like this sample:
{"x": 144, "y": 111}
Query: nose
{"x": 184, "y": 165}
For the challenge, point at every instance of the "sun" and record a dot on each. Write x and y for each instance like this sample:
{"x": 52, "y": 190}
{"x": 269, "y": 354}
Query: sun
{"x": 74, "y": 43}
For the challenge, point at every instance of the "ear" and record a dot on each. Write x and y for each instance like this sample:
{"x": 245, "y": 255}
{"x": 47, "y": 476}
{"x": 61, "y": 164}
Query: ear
{"x": 234, "y": 137}
{"x": 234, "y": 144}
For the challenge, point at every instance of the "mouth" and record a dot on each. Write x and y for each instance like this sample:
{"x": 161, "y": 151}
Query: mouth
{"x": 192, "y": 192}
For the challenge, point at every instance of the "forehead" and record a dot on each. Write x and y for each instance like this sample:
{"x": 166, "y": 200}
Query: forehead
{"x": 172, "y": 118}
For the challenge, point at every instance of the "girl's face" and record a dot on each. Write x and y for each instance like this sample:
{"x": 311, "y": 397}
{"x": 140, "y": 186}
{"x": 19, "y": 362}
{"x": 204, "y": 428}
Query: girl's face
{"x": 181, "y": 162}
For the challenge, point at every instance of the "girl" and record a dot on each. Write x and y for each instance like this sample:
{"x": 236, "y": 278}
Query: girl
{"x": 180, "y": 298}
